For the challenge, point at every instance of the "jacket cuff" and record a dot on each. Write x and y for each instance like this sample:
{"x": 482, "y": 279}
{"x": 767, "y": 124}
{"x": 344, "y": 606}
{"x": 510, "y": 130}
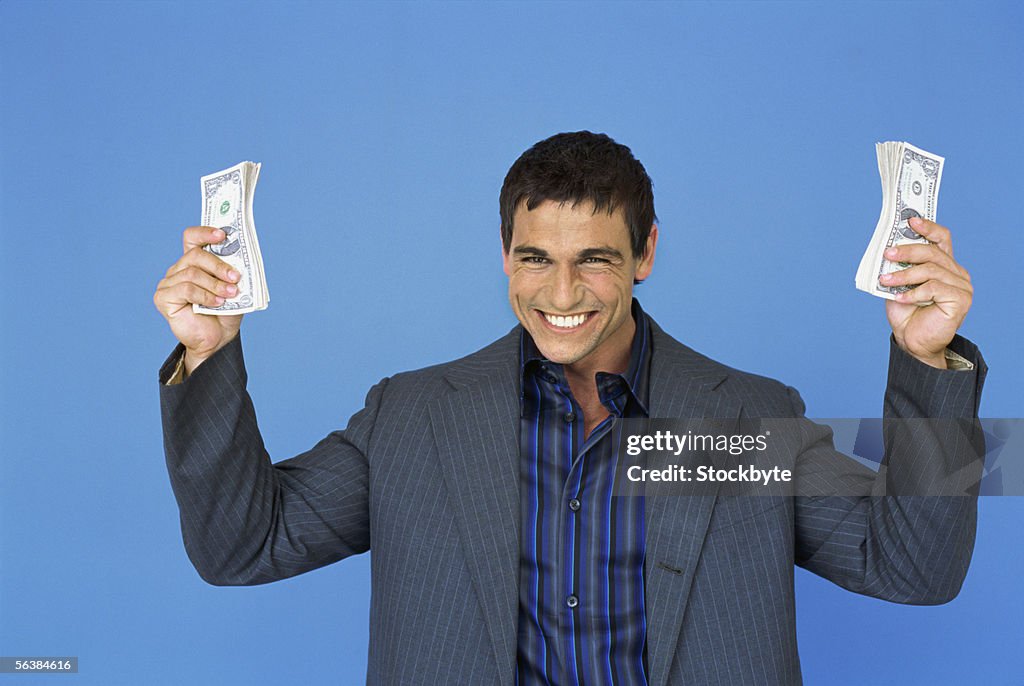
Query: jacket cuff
{"x": 226, "y": 363}
{"x": 938, "y": 392}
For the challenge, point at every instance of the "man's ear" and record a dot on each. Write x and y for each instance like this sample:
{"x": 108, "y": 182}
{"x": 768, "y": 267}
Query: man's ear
{"x": 646, "y": 263}
{"x": 506, "y": 259}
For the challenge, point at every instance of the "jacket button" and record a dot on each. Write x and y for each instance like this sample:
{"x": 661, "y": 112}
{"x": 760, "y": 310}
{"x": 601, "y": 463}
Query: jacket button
{"x": 574, "y": 505}
{"x": 572, "y": 601}
{"x": 570, "y": 417}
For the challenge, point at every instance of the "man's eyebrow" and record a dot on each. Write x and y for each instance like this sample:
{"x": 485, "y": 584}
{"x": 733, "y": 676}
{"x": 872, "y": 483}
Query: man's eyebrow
{"x": 601, "y": 251}
{"x": 529, "y": 250}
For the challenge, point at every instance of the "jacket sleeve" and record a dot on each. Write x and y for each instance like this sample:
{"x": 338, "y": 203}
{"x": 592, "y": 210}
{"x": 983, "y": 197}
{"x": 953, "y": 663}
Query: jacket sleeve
{"x": 247, "y": 521}
{"x": 900, "y": 535}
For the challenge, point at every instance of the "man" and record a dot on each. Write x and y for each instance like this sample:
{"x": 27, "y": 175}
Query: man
{"x": 484, "y": 486}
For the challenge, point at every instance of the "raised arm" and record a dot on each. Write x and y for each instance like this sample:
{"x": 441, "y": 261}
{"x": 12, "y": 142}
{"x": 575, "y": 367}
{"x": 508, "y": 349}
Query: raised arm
{"x": 245, "y": 520}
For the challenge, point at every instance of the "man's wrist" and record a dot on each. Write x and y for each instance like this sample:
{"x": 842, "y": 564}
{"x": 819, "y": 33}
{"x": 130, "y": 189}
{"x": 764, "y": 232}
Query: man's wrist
{"x": 938, "y": 360}
{"x": 186, "y": 365}
{"x": 947, "y": 360}
{"x": 191, "y": 360}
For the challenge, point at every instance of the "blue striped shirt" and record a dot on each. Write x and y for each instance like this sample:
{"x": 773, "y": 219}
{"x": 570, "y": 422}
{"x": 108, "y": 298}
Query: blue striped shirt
{"x": 581, "y": 588}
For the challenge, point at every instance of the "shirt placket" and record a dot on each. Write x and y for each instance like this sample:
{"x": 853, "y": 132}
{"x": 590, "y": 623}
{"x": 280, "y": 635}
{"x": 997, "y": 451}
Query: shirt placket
{"x": 572, "y": 533}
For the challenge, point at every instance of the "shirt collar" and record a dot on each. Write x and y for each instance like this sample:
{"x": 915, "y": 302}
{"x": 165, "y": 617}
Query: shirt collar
{"x": 636, "y": 376}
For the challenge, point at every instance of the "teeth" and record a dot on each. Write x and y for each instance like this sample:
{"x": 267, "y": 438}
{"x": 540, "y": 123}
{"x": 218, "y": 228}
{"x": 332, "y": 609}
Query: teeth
{"x": 566, "y": 322}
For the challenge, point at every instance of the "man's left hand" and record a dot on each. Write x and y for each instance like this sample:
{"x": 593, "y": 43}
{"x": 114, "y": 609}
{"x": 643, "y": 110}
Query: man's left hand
{"x": 924, "y": 331}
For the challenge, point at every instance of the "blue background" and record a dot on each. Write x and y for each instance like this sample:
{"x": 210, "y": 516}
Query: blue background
{"x": 385, "y": 132}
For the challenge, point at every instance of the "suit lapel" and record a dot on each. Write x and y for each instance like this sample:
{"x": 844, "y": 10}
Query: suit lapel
{"x": 682, "y": 385}
{"x": 476, "y": 430}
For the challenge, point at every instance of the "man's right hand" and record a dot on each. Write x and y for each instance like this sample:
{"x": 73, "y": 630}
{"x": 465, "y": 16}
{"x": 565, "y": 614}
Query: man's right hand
{"x": 198, "y": 277}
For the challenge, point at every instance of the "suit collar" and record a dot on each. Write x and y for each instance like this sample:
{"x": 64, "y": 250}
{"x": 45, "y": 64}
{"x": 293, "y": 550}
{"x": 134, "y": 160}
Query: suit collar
{"x": 492, "y": 366}
{"x": 671, "y": 363}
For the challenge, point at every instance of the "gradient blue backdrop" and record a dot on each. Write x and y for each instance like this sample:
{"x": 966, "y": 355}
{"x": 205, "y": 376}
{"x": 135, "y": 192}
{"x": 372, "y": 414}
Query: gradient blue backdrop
{"x": 385, "y": 132}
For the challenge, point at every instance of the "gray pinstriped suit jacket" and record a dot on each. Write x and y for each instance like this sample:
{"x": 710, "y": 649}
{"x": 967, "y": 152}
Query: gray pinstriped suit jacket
{"x": 427, "y": 476}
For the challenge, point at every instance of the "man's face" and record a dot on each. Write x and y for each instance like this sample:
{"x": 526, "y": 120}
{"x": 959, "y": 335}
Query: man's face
{"x": 571, "y": 281}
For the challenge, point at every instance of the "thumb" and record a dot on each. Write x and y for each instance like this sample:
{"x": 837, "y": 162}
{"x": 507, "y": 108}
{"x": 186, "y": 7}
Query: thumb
{"x": 198, "y": 236}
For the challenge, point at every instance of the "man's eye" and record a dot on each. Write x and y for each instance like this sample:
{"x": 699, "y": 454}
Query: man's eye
{"x": 596, "y": 260}
{"x": 533, "y": 259}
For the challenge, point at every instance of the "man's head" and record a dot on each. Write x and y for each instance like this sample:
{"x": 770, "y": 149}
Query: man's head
{"x": 577, "y": 168}
{"x": 577, "y": 230}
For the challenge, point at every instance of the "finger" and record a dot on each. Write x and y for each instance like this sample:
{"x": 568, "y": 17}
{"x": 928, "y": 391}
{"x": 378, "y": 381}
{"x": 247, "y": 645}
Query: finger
{"x": 936, "y": 233}
{"x": 198, "y": 236}
{"x": 197, "y": 257}
{"x": 928, "y": 271}
{"x": 952, "y": 301}
{"x": 202, "y": 278}
{"x": 920, "y": 253}
{"x": 172, "y": 298}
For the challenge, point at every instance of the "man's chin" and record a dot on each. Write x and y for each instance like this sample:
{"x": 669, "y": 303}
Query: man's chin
{"x": 560, "y": 352}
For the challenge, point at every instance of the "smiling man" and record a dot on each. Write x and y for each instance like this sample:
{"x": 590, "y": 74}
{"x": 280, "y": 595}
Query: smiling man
{"x": 502, "y": 553}
{"x": 571, "y": 271}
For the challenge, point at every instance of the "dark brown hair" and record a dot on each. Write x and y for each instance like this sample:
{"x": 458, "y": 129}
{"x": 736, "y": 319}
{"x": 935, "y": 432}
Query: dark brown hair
{"x": 576, "y": 168}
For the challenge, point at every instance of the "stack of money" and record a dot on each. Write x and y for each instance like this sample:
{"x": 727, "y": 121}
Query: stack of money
{"x": 910, "y": 188}
{"x": 227, "y": 205}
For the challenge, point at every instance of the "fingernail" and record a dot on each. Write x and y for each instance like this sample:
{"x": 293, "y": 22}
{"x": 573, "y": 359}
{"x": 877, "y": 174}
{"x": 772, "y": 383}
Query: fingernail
{"x": 886, "y": 278}
{"x": 233, "y": 275}
{"x": 232, "y": 289}
{"x": 891, "y": 252}
{"x": 916, "y": 221}
{"x": 219, "y": 300}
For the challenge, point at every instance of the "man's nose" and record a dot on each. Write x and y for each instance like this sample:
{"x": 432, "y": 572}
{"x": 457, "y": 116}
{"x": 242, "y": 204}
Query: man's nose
{"x": 565, "y": 291}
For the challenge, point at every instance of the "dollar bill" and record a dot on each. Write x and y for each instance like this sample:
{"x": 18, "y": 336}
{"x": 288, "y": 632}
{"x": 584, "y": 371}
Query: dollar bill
{"x": 910, "y": 188}
{"x": 227, "y": 205}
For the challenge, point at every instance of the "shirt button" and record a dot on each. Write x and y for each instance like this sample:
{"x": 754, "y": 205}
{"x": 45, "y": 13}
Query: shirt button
{"x": 574, "y": 504}
{"x": 570, "y": 417}
{"x": 572, "y": 601}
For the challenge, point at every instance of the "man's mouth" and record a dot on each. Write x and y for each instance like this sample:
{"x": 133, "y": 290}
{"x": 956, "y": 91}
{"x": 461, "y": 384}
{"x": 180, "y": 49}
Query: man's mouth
{"x": 566, "y": 321}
